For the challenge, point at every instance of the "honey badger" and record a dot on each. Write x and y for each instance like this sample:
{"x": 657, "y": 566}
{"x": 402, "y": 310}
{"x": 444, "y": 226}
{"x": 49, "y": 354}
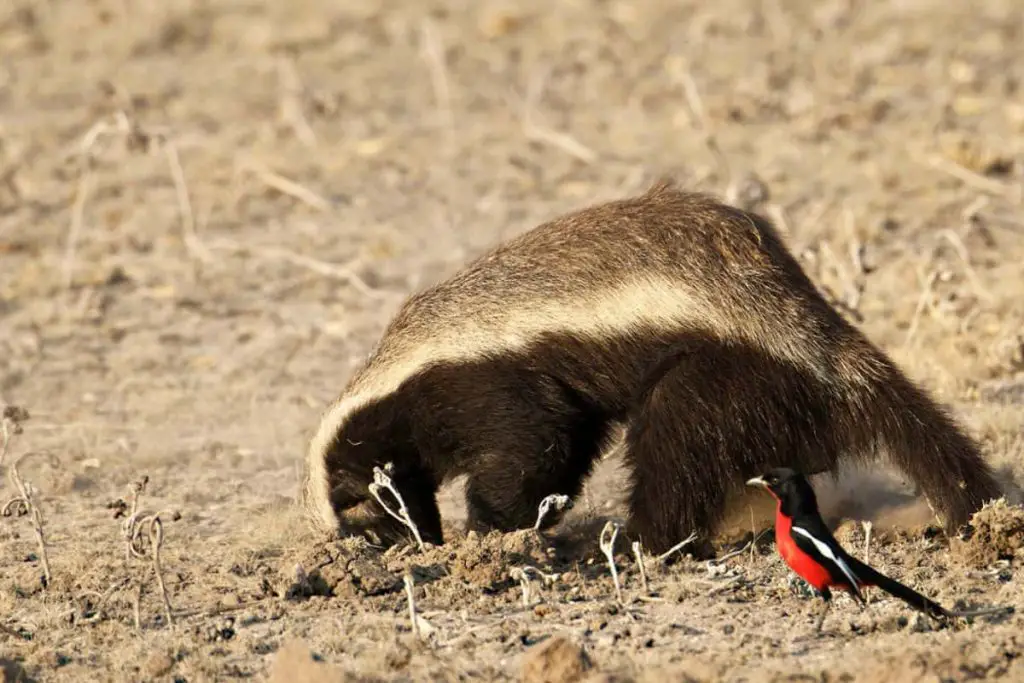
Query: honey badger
{"x": 682, "y": 320}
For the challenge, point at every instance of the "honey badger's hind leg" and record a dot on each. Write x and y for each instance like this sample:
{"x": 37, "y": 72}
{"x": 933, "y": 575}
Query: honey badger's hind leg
{"x": 709, "y": 418}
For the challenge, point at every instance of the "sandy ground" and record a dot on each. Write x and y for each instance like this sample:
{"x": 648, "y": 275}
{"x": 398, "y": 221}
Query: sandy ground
{"x": 209, "y": 211}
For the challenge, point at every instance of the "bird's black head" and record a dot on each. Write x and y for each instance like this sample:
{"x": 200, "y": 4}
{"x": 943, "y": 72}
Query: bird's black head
{"x": 789, "y": 486}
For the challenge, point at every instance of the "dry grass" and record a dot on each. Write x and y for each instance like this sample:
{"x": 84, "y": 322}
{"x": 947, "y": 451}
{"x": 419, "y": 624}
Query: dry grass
{"x": 209, "y": 211}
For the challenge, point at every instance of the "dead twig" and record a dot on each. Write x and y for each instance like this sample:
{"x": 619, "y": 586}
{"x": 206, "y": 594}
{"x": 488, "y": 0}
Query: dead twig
{"x": 188, "y": 220}
{"x": 638, "y": 552}
{"x": 382, "y": 480}
{"x": 433, "y": 52}
{"x": 557, "y": 501}
{"x": 754, "y": 538}
{"x": 607, "y": 543}
{"x": 678, "y": 546}
{"x": 973, "y": 179}
{"x": 521, "y": 574}
{"x": 131, "y": 530}
{"x": 24, "y": 504}
{"x": 867, "y": 551}
{"x": 961, "y": 250}
{"x": 699, "y": 117}
{"x": 421, "y": 628}
{"x": 137, "y": 606}
{"x": 85, "y": 184}
{"x": 136, "y": 137}
{"x": 331, "y": 270}
{"x": 10, "y": 426}
{"x": 517, "y": 574}
{"x": 539, "y": 133}
{"x": 290, "y": 109}
{"x": 407, "y": 580}
{"x": 923, "y": 302}
{"x": 288, "y": 187}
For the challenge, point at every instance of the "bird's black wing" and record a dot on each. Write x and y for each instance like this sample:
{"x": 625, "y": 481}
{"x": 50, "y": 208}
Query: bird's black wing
{"x": 813, "y": 537}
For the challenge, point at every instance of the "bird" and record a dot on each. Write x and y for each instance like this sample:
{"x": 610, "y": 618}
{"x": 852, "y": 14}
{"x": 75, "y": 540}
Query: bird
{"x": 812, "y": 552}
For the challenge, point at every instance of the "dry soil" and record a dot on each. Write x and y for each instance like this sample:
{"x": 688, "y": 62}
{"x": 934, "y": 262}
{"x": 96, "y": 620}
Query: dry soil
{"x": 209, "y": 211}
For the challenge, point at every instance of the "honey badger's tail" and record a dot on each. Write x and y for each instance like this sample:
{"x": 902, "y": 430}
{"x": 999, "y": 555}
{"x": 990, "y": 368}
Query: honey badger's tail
{"x": 921, "y": 438}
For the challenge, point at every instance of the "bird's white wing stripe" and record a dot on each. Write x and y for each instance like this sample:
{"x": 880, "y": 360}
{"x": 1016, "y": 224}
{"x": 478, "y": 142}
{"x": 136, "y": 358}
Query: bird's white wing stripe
{"x": 827, "y": 552}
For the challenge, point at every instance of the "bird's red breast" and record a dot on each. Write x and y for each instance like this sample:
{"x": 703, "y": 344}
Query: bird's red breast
{"x": 800, "y": 562}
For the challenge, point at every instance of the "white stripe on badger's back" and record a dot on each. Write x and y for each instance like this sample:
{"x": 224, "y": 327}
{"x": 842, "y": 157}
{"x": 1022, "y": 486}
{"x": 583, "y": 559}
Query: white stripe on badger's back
{"x": 643, "y": 303}
{"x": 827, "y": 553}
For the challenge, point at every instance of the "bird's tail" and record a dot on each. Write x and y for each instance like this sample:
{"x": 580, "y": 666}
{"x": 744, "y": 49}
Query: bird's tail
{"x": 872, "y": 577}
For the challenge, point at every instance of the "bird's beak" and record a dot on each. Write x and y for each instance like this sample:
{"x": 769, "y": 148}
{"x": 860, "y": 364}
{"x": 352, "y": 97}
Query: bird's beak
{"x": 757, "y": 481}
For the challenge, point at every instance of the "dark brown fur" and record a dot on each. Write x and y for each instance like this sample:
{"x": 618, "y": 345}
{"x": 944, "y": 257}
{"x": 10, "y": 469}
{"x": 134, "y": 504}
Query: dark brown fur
{"x": 707, "y": 405}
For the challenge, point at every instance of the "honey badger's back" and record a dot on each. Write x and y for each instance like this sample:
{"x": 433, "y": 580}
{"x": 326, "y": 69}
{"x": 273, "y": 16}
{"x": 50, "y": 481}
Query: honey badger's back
{"x": 646, "y": 268}
{"x": 667, "y": 258}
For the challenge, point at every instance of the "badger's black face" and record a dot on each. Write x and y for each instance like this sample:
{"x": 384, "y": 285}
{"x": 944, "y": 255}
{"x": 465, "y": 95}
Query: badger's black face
{"x": 368, "y": 519}
{"x": 368, "y": 506}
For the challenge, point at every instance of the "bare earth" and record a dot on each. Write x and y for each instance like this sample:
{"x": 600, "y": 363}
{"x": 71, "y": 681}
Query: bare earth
{"x": 210, "y": 210}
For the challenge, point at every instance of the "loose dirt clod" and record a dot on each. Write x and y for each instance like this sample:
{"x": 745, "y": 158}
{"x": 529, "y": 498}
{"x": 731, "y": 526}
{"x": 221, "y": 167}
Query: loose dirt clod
{"x": 345, "y": 568}
{"x": 485, "y": 561}
{"x": 996, "y": 532}
{"x": 295, "y": 663}
{"x": 556, "y": 660}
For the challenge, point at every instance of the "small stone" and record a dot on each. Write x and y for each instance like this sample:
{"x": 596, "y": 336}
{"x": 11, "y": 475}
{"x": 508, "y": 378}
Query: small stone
{"x": 156, "y": 665}
{"x": 556, "y": 660}
{"x": 230, "y": 601}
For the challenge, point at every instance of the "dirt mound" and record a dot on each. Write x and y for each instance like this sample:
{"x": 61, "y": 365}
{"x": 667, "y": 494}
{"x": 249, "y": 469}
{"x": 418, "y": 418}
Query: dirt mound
{"x": 485, "y": 561}
{"x": 996, "y": 532}
{"x": 353, "y": 567}
{"x": 344, "y": 568}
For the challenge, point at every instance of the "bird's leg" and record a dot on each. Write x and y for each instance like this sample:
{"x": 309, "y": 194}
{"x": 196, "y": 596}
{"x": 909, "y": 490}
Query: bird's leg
{"x": 867, "y": 554}
{"x": 821, "y": 616}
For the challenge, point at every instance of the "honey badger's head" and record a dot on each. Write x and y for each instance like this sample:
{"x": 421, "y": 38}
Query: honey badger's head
{"x": 359, "y": 504}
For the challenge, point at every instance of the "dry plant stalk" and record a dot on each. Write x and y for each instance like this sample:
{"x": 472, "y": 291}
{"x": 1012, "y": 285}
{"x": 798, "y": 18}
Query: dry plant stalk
{"x": 24, "y": 504}
{"x": 5, "y": 438}
{"x": 382, "y": 480}
{"x": 535, "y": 131}
{"x": 557, "y": 501}
{"x": 517, "y": 574}
{"x": 678, "y": 546}
{"x": 867, "y": 550}
{"x": 10, "y": 425}
{"x": 131, "y": 529}
{"x": 286, "y": 186}
{"x": 407, "y": 579}
{"x": 607, "y": 543}
{"x": 136, "y": 137}
{"x": 720, "y": 561}
{"x": 521, "y": 574}
{"x": 421, "y": 628}
{"x": 639, "y": 553}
